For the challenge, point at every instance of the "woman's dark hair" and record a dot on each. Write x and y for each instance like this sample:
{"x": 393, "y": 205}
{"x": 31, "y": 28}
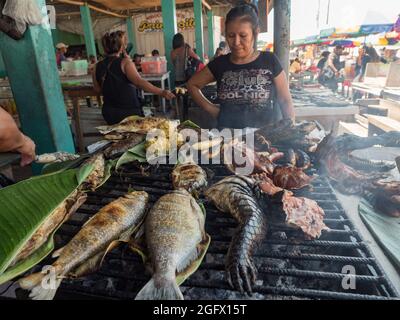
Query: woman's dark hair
{"x": 373, "y": 54}
{"x": 112, "y": 42}
{"x": 155, "y": 52}
{"x": 245, "y": 12}
{"x": 178, "y": 41}
{"x": 325, "y": 54}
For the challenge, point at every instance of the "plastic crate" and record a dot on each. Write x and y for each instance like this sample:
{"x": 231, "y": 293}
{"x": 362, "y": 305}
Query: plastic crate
{"x": 75, "y": 68}
{"x": 154, "y": 66}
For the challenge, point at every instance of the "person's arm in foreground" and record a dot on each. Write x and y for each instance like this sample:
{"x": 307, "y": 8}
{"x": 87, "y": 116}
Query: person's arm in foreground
{"x": 195, "y": 84}
{"x": 13, "y": 140}
{"x": 284, "y": 97}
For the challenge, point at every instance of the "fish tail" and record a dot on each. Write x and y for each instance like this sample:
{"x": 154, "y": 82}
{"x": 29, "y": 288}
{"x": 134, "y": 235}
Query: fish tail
{"x": 168, "y": 290}
{"x": 40, "y": 285}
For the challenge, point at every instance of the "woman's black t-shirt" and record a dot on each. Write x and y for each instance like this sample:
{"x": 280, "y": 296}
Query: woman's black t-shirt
{"x": 245, "y": 91}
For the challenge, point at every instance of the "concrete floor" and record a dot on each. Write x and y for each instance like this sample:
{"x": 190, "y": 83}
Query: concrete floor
{"x": 350, "y": 205}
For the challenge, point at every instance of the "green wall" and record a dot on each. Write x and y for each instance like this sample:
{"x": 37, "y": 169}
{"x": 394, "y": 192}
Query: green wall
{"x": 68, "y": 38}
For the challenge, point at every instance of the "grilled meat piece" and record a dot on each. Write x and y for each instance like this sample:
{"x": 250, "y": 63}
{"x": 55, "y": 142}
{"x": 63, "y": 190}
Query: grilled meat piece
{"x": 115, "y": 222}
{"x": 300, "y": 213}
{"x": 174, "y": 228}
{"x": 237, "y": 195}
{"x": 291, "y": 178}
{"x": 190, "y": 177}
{"x": 120, "y": 147}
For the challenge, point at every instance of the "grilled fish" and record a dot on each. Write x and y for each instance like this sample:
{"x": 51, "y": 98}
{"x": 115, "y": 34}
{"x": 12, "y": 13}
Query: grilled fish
{"x": 190, "y": 177}
{"x": 55, "y": 157}
{"x": 120, "y": 147}
{"x": 174, "y": 228}
{"x": 96, "y": 177}
{"x": 133, "y": 124}
{"x": 59, "y": 215}
{"x": 115, "y": 222}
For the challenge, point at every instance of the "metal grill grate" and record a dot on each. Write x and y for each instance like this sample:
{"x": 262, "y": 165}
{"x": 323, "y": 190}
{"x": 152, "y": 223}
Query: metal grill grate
{"x": 289, "y": 268}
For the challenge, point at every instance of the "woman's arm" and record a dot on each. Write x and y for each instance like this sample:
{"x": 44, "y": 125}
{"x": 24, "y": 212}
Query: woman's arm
{"x": 284, "y": 97}
{"x": 129, "y": 68}
{"x": 193, "y": 55}
{"x": 195, "y": 84}
{"x": 96, "y": 85}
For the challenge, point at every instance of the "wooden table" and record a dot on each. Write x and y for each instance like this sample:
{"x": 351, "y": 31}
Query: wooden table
{"x": 75, "y": 93}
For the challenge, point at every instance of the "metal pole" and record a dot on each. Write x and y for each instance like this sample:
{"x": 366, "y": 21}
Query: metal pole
{"x": 282, "y": 32}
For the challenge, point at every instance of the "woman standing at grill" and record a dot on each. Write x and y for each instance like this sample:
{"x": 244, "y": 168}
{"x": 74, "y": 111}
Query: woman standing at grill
{"x": 116, "y": 77}
{"x": 246, "y": 78}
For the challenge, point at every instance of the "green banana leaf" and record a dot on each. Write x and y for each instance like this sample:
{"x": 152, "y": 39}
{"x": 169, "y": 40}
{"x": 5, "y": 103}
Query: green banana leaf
{"x": 137, "y": 153}
{"x": 27, "y": 204}
{"x": 189, "y": 124}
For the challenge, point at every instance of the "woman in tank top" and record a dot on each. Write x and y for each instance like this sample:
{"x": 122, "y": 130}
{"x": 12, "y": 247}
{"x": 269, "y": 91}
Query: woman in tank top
{"x": 117, "y": 78}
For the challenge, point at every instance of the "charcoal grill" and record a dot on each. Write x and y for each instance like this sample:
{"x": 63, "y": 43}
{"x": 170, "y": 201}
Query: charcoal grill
{"x": 289, "y": 268}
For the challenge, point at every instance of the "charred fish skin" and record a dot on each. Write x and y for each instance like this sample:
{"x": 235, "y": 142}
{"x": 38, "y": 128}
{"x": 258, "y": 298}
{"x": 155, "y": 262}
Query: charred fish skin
{"x": 174, "y": 228}
{"x": 238, "y": 196}
{"x": 119, "y": 218}
{"x": 120, "y": 147}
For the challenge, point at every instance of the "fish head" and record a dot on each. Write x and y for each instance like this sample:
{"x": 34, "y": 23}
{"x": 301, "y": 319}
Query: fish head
{"x": 138, "y": 194}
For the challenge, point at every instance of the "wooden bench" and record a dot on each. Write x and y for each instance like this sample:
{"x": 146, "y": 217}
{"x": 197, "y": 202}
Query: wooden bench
{"x": 378, "y": 124}
{"x": 352, "y": 128}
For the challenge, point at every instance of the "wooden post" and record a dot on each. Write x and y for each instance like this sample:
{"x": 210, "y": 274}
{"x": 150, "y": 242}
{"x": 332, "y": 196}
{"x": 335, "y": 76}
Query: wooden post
{"x": 170, "y": 29}
{"x": 35, "y": 83}
{"x": 88, "y": 31}
{"x": 198, "y": 18}
{"x": 210, "y": 24}
{"x": 282, "y": 32}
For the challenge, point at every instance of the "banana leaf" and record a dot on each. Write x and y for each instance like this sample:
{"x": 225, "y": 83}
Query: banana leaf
{"x": 62, "y": 166}
{"x": 27, "y": 204}
{"x": 189, "y": 124}
{"x": 137, "y": 153}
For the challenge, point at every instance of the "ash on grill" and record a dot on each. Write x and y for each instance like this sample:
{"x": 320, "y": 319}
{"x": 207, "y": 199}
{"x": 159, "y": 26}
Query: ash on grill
{"x": 289, "y": 268}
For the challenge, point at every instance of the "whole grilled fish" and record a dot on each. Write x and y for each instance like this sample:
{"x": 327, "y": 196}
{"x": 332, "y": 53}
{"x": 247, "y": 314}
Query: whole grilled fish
{"x": 115, "y": 222}
{"x": 174, "y": 228}
{"x": 238, "y": 195}
{"x": 133, "y": 124}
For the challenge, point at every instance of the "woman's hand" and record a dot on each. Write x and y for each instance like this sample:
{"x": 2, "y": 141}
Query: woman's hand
{"x": 167, "y": 95}
{"x": 27, "y": 151}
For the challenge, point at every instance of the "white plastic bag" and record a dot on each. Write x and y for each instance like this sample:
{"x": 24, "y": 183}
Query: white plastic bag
{"x": 24, "y": 12}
